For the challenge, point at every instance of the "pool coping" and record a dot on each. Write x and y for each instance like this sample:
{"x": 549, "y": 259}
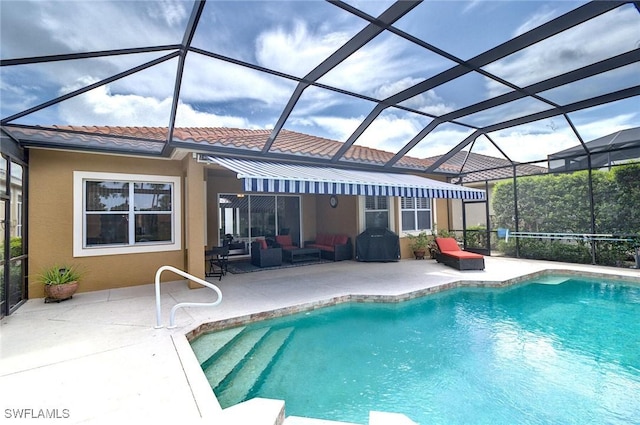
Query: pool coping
{"x": 217, "y": 325}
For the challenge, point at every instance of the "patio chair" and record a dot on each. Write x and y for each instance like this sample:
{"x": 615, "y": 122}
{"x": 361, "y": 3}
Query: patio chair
{"x": 451, "y": 255}
{"x": 217, "y": 257}
{"x": 265, "y": 256}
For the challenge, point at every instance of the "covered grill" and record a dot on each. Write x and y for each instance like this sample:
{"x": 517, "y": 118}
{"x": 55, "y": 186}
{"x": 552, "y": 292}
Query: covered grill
{"x": 377, "y": 244}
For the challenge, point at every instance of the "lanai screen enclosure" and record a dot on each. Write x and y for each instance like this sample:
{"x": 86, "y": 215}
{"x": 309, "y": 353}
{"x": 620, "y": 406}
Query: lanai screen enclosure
{"x": 517, "y": 81}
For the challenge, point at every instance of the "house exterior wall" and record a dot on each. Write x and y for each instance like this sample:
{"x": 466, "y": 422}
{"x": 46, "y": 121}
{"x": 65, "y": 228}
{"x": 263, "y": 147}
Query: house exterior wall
{"x": 51, "y": 221}
{"x": 52, "y": 204}
{"x": 342, "y": 219}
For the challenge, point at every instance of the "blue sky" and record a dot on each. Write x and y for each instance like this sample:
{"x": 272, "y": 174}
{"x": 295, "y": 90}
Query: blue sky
{"x": 293, "y": 37}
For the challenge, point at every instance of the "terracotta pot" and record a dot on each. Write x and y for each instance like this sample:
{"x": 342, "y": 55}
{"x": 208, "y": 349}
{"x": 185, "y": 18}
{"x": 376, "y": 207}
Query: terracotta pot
{"x": 419, "y": 253}
{"x": 60, "y": 292}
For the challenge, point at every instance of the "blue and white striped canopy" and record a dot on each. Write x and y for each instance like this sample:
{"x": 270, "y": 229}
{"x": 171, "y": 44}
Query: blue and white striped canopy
{"x": 275, "y": 177}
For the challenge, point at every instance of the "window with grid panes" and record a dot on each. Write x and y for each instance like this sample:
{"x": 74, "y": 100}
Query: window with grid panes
{"x": 125, "y": 213}
{"x": 416, "y": 214}
{"x": 376, "y": 211}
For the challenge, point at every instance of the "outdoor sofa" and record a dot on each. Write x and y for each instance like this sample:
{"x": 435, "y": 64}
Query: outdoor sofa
{"x": 335, "y": 247}
{"x": 449, "y": 253}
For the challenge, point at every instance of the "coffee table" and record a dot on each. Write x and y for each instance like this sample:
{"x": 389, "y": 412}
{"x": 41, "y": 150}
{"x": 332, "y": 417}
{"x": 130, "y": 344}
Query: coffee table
{"x": 300, "y": 254}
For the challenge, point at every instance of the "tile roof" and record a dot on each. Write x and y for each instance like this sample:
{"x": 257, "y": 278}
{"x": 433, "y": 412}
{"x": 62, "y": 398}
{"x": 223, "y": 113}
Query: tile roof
{"x": 480, "y": 167}
{"x": 148, "y": 139}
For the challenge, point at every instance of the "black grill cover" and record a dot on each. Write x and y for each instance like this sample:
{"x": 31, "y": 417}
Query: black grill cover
{"x": 377, "y": 244}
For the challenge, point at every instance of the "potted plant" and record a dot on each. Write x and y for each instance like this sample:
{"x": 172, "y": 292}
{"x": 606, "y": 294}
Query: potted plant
{"x": 419, "y": 244}
{"x": 60, "y": 282}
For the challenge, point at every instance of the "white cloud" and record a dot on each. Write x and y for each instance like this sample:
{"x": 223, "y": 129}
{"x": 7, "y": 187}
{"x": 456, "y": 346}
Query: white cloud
{"x": 529, "y": 144}
{"x": 393, "y": 87}
{"x": 296, "y": 51}
{"x": 389, "y": 133}
{"x": 82, "y": 26}
{"x": 471, "y": 5}
{"x": 173, "y": 13}
{"x": 540, "y": 17}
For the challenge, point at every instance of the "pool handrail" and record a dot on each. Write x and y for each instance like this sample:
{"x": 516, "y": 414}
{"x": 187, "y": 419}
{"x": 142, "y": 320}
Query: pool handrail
{"x": 185, "y": 304}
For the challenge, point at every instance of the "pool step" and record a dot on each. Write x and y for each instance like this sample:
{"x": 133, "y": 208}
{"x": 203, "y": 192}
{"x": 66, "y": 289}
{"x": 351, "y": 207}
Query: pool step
{"x": 552, "y": 280}
{"x": 238, "y": 384}
{"x": 222, "y": 363}
{"x": 206, "y": 347}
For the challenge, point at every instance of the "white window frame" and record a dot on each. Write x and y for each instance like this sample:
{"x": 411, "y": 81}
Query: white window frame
{"x": 79, "y": 248}
{"x": 415, "y": 210}
{"x": 362, "y": 210}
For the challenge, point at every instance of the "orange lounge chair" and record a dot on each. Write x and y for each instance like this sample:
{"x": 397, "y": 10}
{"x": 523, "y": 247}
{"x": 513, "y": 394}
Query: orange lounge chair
{"x": 451, "y": 255}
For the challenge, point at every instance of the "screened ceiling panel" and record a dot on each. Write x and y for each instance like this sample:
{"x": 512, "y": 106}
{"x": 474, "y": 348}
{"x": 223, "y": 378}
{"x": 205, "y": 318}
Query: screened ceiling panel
{"x": 379, "y": 83}
{"x": 34, "y": 84}
{"x": 508, "y": 111}
{"x": 319, "y": 109}
{"x": 600, "y": 84}
{"x": 605, "y": 36}
{"x": 385, "y": 66}
{"x": 222, "y": 94}
{"x": 64, "y": 27}
{"x": 290, "y": 37}
{"x": 468, "y": 28}
{"x": 461, "y": 92}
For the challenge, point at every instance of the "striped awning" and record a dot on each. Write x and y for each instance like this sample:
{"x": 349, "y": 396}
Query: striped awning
{"x": 275, "y": 177}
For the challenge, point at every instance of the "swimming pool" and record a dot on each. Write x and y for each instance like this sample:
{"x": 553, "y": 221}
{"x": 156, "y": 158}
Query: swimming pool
{"x": 531, "y": 353}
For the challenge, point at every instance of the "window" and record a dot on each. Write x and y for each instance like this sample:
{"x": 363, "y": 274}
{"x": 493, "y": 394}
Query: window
{"x": 124, "y": 213}
{"x": 376, "y": 211}
{"x": 415, "y": 214}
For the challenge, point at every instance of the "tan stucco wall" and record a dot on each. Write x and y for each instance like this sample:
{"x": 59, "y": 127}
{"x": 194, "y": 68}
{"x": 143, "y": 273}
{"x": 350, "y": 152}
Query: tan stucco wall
{"x": 195, "y": 218}
{"x": 343, "y": 219}
{"x": 51, "y": 221}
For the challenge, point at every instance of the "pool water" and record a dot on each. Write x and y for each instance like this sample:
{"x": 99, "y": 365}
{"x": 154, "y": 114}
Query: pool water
{"x": 565, "y": 353}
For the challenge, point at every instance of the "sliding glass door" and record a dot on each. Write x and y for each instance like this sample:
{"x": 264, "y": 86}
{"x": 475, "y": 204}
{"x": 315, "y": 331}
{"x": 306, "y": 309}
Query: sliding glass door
{"x": 244, "y": 218}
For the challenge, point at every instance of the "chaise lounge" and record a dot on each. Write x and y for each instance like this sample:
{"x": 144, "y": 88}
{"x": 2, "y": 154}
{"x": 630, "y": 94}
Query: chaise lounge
{"x": 451, "y": 255}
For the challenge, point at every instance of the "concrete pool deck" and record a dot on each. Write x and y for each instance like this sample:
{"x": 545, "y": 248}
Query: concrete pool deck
{"x": 97, "y": 358}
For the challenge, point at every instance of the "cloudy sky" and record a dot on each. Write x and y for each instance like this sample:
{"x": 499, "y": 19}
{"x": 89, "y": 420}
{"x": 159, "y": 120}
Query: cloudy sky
{"x": 293, "y": 37}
